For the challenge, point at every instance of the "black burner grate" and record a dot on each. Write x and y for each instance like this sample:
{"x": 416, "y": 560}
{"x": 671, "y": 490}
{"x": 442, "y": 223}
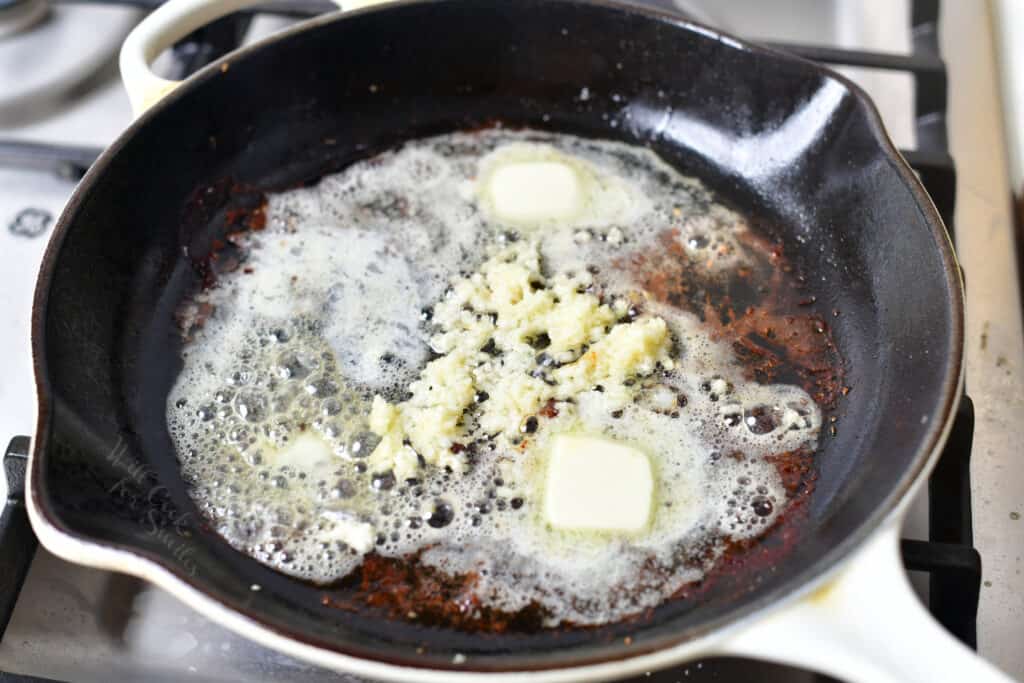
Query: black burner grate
{"x": 949, "y": 555}
{"x": 953, "y": 564}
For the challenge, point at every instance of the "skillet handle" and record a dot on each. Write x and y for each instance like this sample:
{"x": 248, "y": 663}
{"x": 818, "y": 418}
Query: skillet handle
{"x": 168, "y": 24}
{"x": 16, "y": 538}
{"x": 865, "y": 625}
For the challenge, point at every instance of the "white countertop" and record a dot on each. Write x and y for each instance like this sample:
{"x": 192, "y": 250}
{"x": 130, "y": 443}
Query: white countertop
{"x": 995, "y": 351}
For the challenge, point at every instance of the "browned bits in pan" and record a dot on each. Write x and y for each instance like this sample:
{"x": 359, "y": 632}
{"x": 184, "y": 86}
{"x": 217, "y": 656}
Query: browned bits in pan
{"x": 775, "y": 332}
{"x": 397, "y": 587}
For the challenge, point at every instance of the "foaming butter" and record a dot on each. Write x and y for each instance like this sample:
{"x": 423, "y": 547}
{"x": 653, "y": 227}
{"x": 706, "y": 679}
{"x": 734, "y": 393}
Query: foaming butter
{"x": 437, "y": 352}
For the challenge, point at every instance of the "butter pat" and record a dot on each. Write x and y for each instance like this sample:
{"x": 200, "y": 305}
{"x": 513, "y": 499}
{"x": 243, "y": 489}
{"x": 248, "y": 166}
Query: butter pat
{"x": 597, "y": 484}
{"x": 533, "y": 186}
{"x": 535, "y": 191}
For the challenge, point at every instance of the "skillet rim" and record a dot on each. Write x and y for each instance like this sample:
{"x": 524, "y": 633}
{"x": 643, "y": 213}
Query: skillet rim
{"x": 124, "y": 558}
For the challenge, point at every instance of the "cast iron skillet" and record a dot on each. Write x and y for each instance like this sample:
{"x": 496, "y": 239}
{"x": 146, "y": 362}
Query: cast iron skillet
{"x": 778, "y": 138}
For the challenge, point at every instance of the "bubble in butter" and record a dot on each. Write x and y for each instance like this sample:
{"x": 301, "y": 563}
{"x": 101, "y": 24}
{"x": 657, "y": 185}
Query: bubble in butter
{"x": 597, "y": 484}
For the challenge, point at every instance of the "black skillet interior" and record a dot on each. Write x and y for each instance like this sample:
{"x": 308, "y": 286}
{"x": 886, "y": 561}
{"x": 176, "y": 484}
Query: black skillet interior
{"x": 777, "y": 138}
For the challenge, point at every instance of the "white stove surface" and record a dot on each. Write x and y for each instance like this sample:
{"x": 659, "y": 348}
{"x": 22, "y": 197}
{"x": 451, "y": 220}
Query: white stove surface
{"x": 78, "y": 624}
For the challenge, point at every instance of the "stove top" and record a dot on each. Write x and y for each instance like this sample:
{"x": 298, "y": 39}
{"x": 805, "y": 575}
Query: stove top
{"x": 77, "y": 624}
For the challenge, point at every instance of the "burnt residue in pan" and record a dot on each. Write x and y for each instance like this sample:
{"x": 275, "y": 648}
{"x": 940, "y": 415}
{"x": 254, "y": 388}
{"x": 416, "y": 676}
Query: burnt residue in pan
{"x": 763, "y": 308}
{"x": 407, "y": 589}
{"x": 217, "y": 219}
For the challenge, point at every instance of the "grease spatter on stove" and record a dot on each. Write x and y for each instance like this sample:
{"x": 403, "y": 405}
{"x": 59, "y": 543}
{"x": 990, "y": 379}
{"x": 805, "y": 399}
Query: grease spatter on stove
{"x": 427, "y": 354}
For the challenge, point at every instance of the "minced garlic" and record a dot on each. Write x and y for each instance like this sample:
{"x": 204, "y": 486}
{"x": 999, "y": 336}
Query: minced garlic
{"x": 511, "y": 341}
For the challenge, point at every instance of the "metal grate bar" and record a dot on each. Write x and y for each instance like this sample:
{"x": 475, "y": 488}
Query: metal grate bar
{"x": 18, "y": 678}
{"x": 927, "y": 67}
{"x": 924, "y": 12}
{"x": 937, "y": 171}
{"x": 67, "y": 161}
{"x": 932, "y": 90}
{"x": 16, "y": 537}
{"x": 917, "y": 63}
{"x": 929, "y": 159}
{"x": 955, "y": 580}
{"x": 924, "y": 23}
{"x": 288, "y": 8}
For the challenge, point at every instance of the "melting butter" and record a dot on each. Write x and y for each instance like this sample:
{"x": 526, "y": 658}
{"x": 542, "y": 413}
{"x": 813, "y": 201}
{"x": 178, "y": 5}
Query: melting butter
{"x": 530, "y": 185}
{"x": 405, "y": 307}
{"x": 594, "y": 483}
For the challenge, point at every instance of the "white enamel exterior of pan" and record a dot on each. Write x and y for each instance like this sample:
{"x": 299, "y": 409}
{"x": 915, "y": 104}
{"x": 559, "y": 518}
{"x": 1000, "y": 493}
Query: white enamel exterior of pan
{"x": 858, "y": 622}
